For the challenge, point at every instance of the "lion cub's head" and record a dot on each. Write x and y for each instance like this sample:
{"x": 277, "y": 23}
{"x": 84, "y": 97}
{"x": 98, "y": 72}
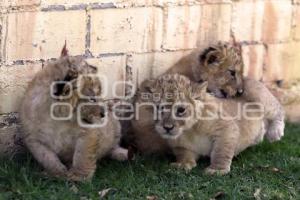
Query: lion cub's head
{"x": 175, "y": 98}
{"x": 70, "y": 69}
{"x": 222, "y": 66}
{"x": 81, "y": 87}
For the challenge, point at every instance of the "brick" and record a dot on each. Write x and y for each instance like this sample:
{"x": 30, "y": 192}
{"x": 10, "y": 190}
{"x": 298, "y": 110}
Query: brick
{"x": 74, "y": 2}
{"x": 274, "y": 60}
{"x": 126, "y": 30}
{"x": 21, "y": 2}
{"x": 181, "y": 27}
{"x": 135, "y": 3}
{"x": 114, "y": 70}
{"x": 122, "y": 3}
{"x": 277, "y": 20}
{"x": 253, "y": 57}
{"x": 282, "y": 62}
{"x": 296, "y": 1}
{"x": 1, "y": 33}
{"x": 149, "y": 65}
{"x": 215, "y": 24}
{"x": 13, "y": 83}
{"x": 248, "y": 20}
{"x": 189, "y": 2}
{"x": 297, "y": 22}
{"x": 293, "y": 69}
{"x": 175, "y": 2}
{"x": 40, "y": 35}
{"x": 97, "y": 3}
{"x": 267, "y": 20}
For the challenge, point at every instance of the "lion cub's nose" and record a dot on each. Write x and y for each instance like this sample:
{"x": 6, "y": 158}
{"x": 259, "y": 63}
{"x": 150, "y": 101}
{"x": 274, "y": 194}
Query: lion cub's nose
{"x": 168, "y": 127}
{"x": 240, "y": 92}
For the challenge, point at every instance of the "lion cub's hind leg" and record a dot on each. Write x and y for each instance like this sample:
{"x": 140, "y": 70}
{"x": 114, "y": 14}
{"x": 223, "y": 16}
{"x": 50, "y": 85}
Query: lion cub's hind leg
{"x": 275, "y": 130}
{"x": 119, "y": 153}
{"x": 255, "y": 91}
{"x": 47, "y": 158}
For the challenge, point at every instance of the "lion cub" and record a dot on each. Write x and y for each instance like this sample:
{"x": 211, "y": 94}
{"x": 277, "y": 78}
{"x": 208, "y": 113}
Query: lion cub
{"x": 194, "y": 123}
{"x": 222, "y": 66}
{"x": 65, "y": 125}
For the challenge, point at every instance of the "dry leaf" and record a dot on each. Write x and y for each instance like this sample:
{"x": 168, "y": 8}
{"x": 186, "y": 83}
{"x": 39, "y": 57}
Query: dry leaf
{"x": 274, "y": 169}
{"x": 105, "y": 192}
{"x": 74, "y": 189}
{"x": 152, "y": 197}
{"x": 257, "y": 194}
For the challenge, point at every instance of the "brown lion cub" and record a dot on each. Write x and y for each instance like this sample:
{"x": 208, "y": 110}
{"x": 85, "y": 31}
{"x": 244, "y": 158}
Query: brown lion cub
{"x": 58, "y": 120}
{"x": 194, "y": 123}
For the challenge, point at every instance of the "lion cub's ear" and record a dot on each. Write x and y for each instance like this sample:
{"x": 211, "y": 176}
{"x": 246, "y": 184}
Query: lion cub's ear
{"x": 149, "y": 85}
{"x": 199, "y": 90}
{"x": 64, "y": 51}
{"x": 208, "y": 56}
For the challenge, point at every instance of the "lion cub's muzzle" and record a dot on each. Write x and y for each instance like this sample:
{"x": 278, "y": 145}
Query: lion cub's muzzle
{"x": 167, "y": 130}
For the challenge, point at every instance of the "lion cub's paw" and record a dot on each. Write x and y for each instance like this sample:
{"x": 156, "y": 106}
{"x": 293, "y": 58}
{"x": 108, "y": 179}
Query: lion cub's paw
{"x": 187, "y": 166}
{"x": 79, "y": 176}
{"x": 275, "y": 131}
{"x": 211, "y": 171}
{"x": 119, "y": 154}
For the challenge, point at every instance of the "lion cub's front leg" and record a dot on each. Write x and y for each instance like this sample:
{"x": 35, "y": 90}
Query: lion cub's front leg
{"x": 46, "y": 157}
{"x": 221, "y": 155}
{"x": 84, "y": 158}
{"x": 185, "y": 159}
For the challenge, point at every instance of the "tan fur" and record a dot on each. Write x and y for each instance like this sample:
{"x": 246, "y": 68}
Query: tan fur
{"x": 215, "y": 65}
{"x": 190, "y": 137}
{"x": 64, "y": 148}
{"x": 221, "y": 65}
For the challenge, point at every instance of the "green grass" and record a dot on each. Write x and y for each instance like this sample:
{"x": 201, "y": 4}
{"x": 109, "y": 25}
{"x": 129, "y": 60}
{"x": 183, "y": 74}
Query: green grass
{"x": 272, "y": 168}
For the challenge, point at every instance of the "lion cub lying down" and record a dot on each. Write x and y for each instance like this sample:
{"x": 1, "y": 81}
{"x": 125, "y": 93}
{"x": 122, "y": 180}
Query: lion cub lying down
{"x": 64, "y": 147}
{"x": 194, "y": 123}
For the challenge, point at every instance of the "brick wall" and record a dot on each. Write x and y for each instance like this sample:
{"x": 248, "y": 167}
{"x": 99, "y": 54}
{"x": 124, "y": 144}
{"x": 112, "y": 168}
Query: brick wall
{"x": 148, "y": 36}
{"x": 136, "y": 39}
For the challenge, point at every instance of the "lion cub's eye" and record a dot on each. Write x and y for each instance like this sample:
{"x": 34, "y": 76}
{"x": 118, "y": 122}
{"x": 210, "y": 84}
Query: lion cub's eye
{"x": 180, "y": 111}
{"x": 232, "y": 72}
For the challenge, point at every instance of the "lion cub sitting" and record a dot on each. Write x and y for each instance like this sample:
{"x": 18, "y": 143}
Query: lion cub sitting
{"x": 65, "y": 126}
{"x": 194, "y": 123}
